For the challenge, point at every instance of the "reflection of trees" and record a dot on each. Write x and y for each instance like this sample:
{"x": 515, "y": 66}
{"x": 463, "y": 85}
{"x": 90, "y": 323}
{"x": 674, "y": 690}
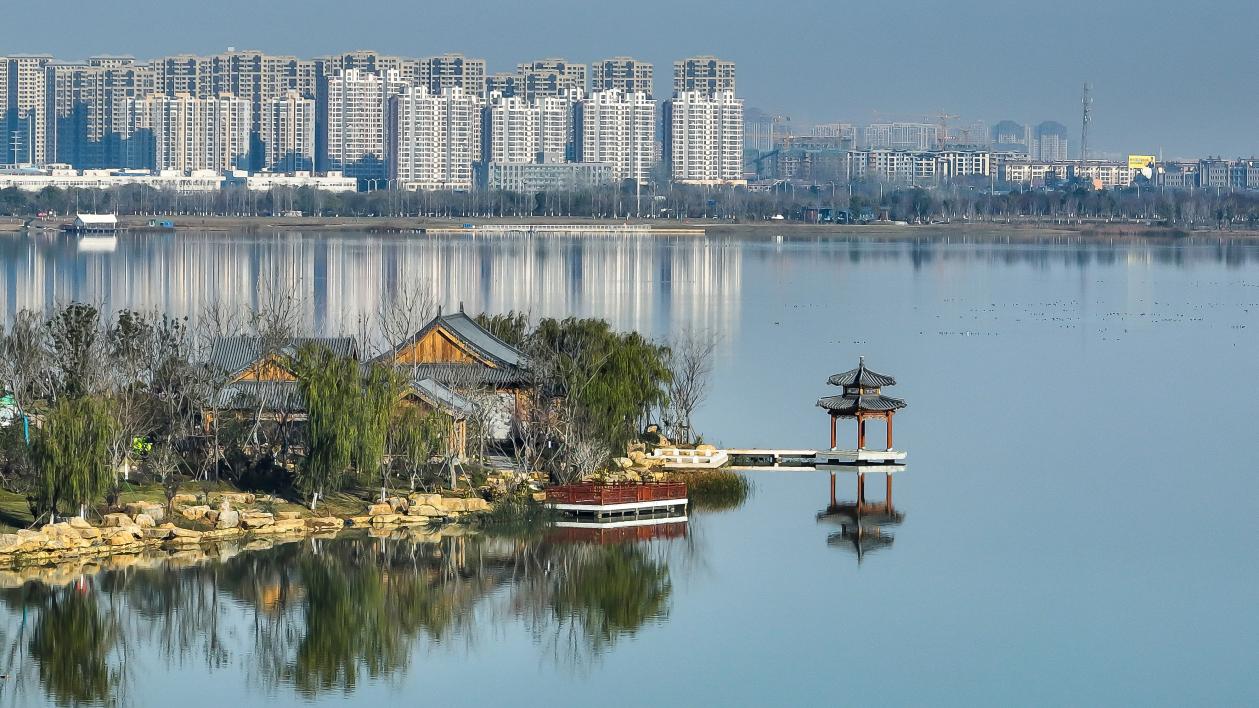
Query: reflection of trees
{"x": 72, "y": 643}
{"x": 327, "y": 615}
{"x": 610, "y": 591}
{"x": 588, "y": 596}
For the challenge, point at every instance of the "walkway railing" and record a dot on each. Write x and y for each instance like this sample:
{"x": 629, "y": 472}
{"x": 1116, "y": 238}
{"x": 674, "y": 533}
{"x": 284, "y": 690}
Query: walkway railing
{"x": 604, "y": 494}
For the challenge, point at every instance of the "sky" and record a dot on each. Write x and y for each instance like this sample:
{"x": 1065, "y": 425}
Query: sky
{"x": 1169, "y": 77}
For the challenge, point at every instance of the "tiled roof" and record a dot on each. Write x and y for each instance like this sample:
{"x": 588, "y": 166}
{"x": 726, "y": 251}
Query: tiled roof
{"x": 441, "y": 396}
{"x": 235, "y": 354}
{"x": 861, "y": 377}
{"x": 272, "y": 396}
{"x": 850, "y": 404}
{"x": 472, "y": 335}
{"x": 461, "y": 375}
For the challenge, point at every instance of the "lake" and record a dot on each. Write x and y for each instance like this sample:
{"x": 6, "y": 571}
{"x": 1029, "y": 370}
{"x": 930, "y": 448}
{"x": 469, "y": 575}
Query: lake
{"x": 1080, "y": 507}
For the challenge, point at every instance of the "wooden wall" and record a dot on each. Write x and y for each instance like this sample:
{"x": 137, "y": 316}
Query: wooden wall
{"x": 437, "y": 347}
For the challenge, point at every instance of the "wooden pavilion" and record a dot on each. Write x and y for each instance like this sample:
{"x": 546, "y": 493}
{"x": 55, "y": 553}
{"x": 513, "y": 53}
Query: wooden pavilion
{"x": 862, "y": 399}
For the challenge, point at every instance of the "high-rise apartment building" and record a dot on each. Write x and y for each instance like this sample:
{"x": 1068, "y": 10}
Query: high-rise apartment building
{"x": 901, "y": 136}
{"x": 23, "y": 109}
{"x": 618, "y": 128}
{"x": 355, "y": 105}
{"x": 703, "y": 140}
{"x": 551, "y": 77}
{"x": 705, "y": 74}
{"x": 190, "y": 133}
{"x": 1050, "y": 141}
{"x": 249, "y": 75}
{"x": 287, "y": 134}
{"x": 515, "y": 130}
{"x": 505, "y": 84}
{"x": 1010, "y": 136}
{"x": 181, "y": 74}
{"x": 364, "y": 61}
{"x": 451, "y": 71}
{"x": 433, "y": 140}
{"x": 623, "y": 73}
{"x": 88, "y": 111}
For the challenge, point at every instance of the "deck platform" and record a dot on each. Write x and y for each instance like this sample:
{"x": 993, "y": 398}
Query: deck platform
{"x": 617, "y": 501}
{"x": 789, "y": 459}
{"x": 863, "y": 456}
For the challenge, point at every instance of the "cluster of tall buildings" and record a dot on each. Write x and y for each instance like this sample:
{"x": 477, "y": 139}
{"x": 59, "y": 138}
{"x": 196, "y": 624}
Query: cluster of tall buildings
{"x": 441, "y": 122}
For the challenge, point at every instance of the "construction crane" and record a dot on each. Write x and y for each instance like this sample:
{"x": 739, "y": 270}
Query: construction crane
{"x": 777, "y": 120}
{"x": 942, "y": 126}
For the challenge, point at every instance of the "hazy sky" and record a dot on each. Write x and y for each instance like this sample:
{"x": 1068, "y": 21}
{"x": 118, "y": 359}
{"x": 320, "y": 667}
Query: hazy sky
{"x": 1170, "y": 74}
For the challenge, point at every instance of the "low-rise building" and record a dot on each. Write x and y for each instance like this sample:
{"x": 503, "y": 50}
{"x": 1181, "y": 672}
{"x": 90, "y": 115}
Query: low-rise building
{"x": 329, "y": 182}
{"x": 530, "y": 178}
{"x": 1035, "y": 174}
{"x": 1107, "y": 175}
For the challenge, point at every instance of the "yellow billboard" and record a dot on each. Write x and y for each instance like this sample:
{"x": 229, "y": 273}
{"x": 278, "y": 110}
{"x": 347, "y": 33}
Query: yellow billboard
{"x": 1140, "y": 162}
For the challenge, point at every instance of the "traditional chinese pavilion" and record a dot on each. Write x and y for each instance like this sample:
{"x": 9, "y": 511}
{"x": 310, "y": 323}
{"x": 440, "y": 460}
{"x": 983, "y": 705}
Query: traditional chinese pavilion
{"x": 862, "y": 399}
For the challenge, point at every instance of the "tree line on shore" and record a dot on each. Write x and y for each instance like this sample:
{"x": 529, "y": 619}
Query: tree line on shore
{"x": 956, "y": 201}
{"x": 104, "y": 400}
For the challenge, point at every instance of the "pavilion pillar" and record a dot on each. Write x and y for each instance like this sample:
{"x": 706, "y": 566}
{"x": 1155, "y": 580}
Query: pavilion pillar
{"x": 861, "y": 432}
{"x": 889, "y": 430}
{"x": 887, "y": 498}
{"x": 833, "y": 419}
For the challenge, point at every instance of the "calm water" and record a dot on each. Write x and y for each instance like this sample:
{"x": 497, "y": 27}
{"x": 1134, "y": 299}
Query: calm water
{"x": 1080, "y": 508}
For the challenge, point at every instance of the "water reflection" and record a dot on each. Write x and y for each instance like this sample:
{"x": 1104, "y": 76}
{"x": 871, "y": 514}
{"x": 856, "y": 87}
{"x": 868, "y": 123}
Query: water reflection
{"x": 650, "y": 284}
{"x": 328, "y": 615}
{"x": 863, "y": 525}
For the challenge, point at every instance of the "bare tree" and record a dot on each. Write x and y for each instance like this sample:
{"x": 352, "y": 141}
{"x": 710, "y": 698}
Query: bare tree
{"x": 273, "y": 322}
{"x": 404, "y": 315}
{"x": 25, "y": 366}
{"x": 691, "y": 362}
{"x": 214, "y": 323}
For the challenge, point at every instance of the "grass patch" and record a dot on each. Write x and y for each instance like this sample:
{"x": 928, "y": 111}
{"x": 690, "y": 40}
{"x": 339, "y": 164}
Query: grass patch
{"x": 516, "y": 514}
{"x": 715, "y": 490}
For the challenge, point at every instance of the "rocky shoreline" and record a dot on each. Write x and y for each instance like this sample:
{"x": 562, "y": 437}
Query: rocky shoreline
{"x": 235, "y": 518}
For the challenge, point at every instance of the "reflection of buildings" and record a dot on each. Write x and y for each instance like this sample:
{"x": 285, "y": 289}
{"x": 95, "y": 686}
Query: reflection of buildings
{"x": 653, "y": 284}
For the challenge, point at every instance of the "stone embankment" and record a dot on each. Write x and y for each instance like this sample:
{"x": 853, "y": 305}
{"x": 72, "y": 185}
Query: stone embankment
{"x": 143, "y": 527}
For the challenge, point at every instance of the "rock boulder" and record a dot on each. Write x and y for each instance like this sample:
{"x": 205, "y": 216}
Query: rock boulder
{"x": 229, "y": 519}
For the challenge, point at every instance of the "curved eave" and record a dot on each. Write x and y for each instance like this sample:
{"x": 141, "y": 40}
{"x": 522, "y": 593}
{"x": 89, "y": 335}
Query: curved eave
{"x": 851, "y": 405}
{"x": 862, "y": 378}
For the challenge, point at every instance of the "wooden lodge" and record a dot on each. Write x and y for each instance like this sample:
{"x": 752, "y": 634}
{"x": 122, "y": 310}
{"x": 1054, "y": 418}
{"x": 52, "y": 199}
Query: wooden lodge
{"x": 258, "y": 380}
{"x": 458, "y": 353}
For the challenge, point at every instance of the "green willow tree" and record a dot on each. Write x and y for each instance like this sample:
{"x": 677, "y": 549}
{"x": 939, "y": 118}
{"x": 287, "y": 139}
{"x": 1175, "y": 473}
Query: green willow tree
{"x": 71, "y": 453}
{"x": 348, "y": 411}
{"x": 328, "y": 385}
{"x": 614, "y": 379}
{"x": 415, "y": 437}
{"x": 373, "y": 412}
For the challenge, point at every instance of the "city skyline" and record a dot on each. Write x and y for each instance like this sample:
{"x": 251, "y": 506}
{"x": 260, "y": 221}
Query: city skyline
{"x": 1147, "y": 97}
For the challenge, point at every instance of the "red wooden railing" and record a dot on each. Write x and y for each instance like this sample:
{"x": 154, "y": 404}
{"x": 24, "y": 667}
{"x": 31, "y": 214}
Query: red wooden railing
{"x": 604, "y": 494}
{"x": 622, "y": 534}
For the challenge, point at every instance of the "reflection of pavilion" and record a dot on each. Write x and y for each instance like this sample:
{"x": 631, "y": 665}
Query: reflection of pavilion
{"x": 862, "y": 523}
